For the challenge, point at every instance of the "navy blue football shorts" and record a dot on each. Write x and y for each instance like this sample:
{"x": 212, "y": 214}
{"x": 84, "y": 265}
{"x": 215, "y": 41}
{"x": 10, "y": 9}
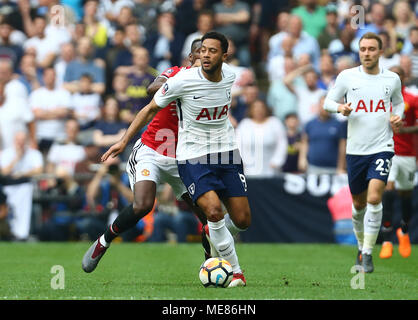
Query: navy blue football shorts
{"x": 220, "y": 172}
{"x": 362, "y": 168}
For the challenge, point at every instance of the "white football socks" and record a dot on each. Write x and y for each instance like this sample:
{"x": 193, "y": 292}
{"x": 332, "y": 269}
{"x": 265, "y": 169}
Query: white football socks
{"x": 231, "y": 226}
{"x": 223, "y": 241}
{"x": 372, "y": 222}
{"x": 358, "y": 225}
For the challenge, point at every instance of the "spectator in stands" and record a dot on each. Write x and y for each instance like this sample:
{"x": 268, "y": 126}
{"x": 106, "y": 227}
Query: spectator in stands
{"x": 86, "y": 103}
{"x": 108, "y": 129}
{"x": 125, "y": 103}
{"x": 321, "y": 151}
{"x": 313, "y": 16}
{"x": 51, "y": 106}
{"x": 115, "y": 47}
{"x": 307, "y": 91}
{"x": 46, "y": 50}
{"x": 204, "y": 24}
{"x": 344, "y": 62}
{"x": 134, "y": 35}
{"x": 406, "y": 64}
{"x": 109, "y": 10}
{"x": 294, "y": 137}
{"x": 279, "y": 97}
{"x": 83, "y": 64}
{"x": 275, "y": 67}
{"x": 232, "y": 18}
{"x": 139, "y": 75}
{"x": 343, "y": 46}
{"x": 67, "y": 54}
{"x": 404, "y": 18}
{"x": 63, "y": 208}
{"x": 304, "y": 43}
{"x": 174, "y": 216}
{"x": 7, "y": 48}
{"x": 244, "y": 76}
{"x": 126, "y": 18}
{"x": 327, "y": 71}
{"x": 242, "y": 102}
{"x": 15, "y": 115}
{"x": 96, "y": 31}
{"x": 29, "y": 74}
{"x": 413, "y": 52}
{"x": 106, "y": 194}
{"x": 187, "y": 15}
{"x": 377, "y": 20}
{"x": 262, "y": 141}
{"x": 165, "y": 44}
{"x": 13, "y": 88}
{"x": 146, "y": 11}
{"x": 20, "y": 161}
{"x": 64, "y": 155}
{"x": 331, "y": 30}
{"x": 390, "y": 57}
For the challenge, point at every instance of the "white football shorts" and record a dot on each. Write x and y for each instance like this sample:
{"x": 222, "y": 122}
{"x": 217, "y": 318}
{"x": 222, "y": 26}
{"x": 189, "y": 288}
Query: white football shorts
{"x": 402, "y": 172}
{"x": 145, "y": 163}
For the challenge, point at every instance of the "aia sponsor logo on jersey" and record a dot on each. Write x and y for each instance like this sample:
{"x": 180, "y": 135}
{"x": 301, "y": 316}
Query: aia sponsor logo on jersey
{"x": 215, "y": 114}
{"x": 361, "y": 105}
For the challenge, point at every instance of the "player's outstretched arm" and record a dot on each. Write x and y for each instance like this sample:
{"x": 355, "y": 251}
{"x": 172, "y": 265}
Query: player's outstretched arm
{"x": 141, "y": 119}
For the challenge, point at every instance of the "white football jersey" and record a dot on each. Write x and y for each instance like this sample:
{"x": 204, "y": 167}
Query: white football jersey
{"x": 373, "y": 98}
{"x": 202, "y": 109}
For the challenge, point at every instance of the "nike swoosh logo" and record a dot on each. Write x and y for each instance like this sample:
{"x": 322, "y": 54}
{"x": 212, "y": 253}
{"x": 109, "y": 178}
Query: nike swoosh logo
{"x": 194, "y": 97}
{"x": 355, "y": 89}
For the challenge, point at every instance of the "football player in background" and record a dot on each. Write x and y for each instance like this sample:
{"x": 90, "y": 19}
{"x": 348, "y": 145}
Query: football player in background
{"x": 368, "y": 91}
{"x": 401, "y": 177}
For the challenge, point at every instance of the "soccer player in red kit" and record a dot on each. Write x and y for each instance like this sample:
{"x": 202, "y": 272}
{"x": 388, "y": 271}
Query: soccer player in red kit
{"x": 401, "y": 176}
{"x": 152, "y": 161}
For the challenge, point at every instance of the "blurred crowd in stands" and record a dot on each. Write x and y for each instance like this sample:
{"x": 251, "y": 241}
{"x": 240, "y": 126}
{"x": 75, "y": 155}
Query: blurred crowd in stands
{"x": 74, "y": 73}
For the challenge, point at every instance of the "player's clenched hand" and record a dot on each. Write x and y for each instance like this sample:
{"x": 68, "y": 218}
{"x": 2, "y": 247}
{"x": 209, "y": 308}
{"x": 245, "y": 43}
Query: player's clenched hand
{"x": 114, "y": 150}
{"x": 396, "y": 123}
{"x": 345, "y": 109}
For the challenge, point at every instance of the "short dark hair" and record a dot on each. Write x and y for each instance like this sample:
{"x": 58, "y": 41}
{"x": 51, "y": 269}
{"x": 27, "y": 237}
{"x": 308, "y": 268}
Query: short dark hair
{"x": 194, "y": 43}
{"x": 372, "y": 35}
{"x": 217, "y": 36}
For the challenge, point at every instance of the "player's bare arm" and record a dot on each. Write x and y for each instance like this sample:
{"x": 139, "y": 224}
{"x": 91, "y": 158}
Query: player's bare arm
{"x": 154, "y": 86}
{"x": 403, "y": 130}
{"x": 141, "y": 119}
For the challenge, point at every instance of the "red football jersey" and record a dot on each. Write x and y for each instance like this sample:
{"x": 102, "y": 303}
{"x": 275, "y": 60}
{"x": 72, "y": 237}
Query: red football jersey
{"x": 404, "y": 143}
{"x": 162, "y": 132}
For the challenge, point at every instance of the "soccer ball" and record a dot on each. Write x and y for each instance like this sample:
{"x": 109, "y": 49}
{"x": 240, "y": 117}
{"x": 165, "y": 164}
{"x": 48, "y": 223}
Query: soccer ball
{"x": 215, "y": 272}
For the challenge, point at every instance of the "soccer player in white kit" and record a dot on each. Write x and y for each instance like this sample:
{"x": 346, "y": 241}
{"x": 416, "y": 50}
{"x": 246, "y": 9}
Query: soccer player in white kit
{"x": 368, "y": 91}
{"x": 207, "y": 154}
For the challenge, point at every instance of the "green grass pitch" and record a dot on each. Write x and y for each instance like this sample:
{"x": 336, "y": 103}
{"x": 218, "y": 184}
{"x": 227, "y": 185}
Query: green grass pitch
{"x": 170, "y": 272}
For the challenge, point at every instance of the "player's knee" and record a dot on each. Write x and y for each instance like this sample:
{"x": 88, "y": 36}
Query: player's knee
{"x": 374, "y": 199}
{"x": 243, "y": 221}
{"x": 143, "y": 206}
{"x": 359, "y": 205}
{"x": 214, "y": 214}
